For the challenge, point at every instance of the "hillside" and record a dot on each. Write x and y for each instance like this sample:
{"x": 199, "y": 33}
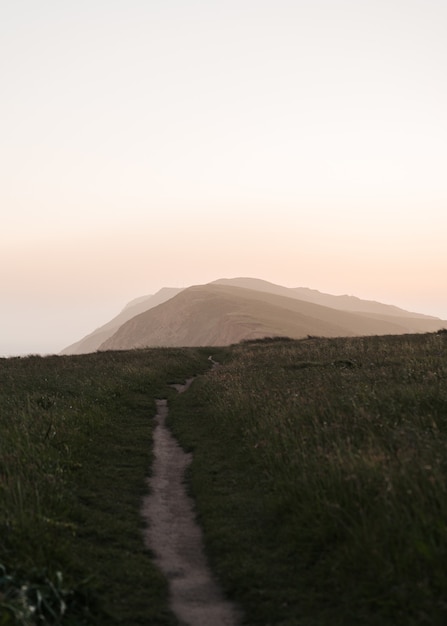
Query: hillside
{"x": 221, "y": 314}
{"x": 342, "y": 303}
{"x": 92, "y": 341}
{"x": 330, "y": 449}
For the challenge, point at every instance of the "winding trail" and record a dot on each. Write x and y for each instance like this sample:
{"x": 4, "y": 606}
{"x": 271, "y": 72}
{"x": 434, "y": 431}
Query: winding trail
{"x": 175, "y": 537}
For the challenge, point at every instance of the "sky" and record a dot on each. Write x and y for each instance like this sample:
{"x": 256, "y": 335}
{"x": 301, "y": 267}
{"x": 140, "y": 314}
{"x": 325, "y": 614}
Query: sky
{"x": 168, "y": 143}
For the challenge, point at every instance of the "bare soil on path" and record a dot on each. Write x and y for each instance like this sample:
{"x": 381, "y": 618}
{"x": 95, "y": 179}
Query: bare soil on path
{"x": 176, "y": 539}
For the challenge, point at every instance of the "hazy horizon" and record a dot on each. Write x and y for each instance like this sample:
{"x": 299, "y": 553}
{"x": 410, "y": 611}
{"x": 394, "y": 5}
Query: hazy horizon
{"x": 108, "y": 314}
{"x": 161, "y": 144}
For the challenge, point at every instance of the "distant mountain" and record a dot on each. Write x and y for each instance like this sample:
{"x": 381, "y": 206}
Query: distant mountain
{"x": 342, "y": 303}
{"x": 91, "y": 342}
{"x": 222, "y": 313}
{"x": 228, "y": 310}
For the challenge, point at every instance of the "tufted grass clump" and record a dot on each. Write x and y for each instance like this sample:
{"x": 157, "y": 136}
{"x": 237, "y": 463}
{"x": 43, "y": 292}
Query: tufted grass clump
{"x": 34, "y": 598}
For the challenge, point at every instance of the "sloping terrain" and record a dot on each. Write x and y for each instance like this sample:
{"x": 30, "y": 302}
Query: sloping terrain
{"x": 219, "y": 314}
{"x": 92, "y": 341}
{"x": 343, "y": 303}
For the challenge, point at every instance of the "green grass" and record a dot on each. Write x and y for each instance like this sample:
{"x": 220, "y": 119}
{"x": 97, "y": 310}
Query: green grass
{"x": 319, "y": 473}
{"x": 320, "y": 476}
{"x": 75, "y": 450}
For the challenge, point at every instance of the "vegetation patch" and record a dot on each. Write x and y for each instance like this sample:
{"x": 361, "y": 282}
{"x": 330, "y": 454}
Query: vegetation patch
{"x": 32, "y": 597}
{"x": 320, "y": 473}
{"x": 75, "y": 451}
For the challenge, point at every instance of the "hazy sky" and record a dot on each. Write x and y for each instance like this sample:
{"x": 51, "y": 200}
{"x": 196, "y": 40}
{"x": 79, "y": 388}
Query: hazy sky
{"x": 151, "y": 143}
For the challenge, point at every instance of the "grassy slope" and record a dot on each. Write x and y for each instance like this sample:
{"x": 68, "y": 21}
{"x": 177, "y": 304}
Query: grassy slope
{"x": 320, "y": 472}
{"x": 74, "y": 454}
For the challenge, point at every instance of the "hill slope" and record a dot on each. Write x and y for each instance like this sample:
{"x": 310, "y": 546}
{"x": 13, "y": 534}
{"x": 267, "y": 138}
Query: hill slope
{"x": 221, "y": 314}
{"x": 92, "y": 341}
{"x": 342, "y": 303}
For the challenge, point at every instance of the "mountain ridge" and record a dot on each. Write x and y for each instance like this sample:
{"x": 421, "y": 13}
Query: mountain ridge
{"x": 230, "y": 310}
{"x": 343, "y": 302}
{"x": 216, "y": 314}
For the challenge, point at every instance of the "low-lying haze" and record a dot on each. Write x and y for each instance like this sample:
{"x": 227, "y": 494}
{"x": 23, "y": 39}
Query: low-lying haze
{"x": 169, "y": 143}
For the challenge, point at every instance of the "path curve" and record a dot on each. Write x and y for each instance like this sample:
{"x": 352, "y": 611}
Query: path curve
{"x": 175, "y": 537}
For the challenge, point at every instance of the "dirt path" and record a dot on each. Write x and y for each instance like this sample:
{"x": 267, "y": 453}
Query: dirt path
{"x": 175, "y": 537}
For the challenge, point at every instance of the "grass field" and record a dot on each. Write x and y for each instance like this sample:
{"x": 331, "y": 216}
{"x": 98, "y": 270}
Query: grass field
{"x": 319, "y": 474}
{"x": 75, "y": 448}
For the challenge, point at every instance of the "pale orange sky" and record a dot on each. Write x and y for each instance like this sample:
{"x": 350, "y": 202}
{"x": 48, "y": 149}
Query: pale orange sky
{"x": 168, "y": 144}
